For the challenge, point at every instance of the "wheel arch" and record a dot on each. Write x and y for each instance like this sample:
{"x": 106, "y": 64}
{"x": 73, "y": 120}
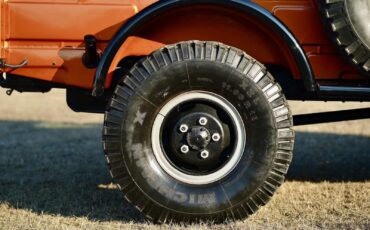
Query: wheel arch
{"x": 171, "y": 21}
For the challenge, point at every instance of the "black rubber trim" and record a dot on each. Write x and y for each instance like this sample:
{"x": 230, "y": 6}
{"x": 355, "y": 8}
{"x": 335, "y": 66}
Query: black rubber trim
{"x": 159, "y": 7}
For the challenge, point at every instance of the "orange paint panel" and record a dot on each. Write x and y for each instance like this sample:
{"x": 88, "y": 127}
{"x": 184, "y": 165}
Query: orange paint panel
{"x": 327, "y": 65}
{"x": 37, "y": 57}
{"x": 43, "y": 54}
{"x": 68, "y": 68}
{"x": 2, "y": 52}
{"x": 307, "y": 31}
{"x": 49, "y": 33}
{"x": 135, "y": 46}
{"x": 30, "y": 21}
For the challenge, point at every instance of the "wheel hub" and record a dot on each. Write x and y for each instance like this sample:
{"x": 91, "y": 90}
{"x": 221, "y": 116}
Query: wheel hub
{"x": 198, "y": 138}
{"x": 202, "y": 124}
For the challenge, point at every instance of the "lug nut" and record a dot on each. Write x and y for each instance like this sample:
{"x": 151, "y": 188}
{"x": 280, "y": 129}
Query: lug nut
{"x": 203, "y": 121}
{"x": 216, "y": 137}
{"x": 204, "y": 154}
{"x": 184, "y": 128}
{"x": 184, "y": 149}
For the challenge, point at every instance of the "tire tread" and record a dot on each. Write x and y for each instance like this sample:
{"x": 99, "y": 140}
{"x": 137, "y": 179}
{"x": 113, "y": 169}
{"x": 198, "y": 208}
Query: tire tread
{"x": 208, "y": 51}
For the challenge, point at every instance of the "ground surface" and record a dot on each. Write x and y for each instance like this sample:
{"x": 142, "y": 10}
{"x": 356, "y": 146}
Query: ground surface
{"x": 53, "y": 173}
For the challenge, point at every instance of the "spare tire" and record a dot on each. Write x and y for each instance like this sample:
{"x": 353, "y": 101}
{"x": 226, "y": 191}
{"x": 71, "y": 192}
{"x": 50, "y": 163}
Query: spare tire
{"x": 349, "y": 26}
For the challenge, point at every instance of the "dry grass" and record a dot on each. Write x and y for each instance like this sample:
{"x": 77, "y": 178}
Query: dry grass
{"x": 53, "y": 173}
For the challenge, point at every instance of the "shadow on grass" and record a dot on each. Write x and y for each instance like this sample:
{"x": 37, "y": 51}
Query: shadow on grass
{"x": 59, "y": 169}
{"x": 330, "y": 157}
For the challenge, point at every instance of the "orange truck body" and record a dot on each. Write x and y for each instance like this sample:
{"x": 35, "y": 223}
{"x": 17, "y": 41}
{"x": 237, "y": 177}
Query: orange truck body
{"x": 49, "y": 34}
{"x": 198, "y": 131}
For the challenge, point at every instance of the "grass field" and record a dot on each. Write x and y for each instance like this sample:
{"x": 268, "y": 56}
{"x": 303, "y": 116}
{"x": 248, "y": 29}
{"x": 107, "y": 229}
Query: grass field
{"x": 53, "y": 173}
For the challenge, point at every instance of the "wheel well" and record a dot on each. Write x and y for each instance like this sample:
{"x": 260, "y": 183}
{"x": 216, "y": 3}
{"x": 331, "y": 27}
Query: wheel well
{"x": 210, "y": 23}
{"x": 207, "y": 22}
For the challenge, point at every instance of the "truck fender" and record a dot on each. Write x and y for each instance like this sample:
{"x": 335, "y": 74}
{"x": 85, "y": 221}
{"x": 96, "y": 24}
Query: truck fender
{"x": 159, "y": 7}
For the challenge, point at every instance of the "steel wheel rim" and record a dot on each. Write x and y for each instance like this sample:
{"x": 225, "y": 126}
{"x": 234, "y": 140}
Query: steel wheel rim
{"x": 240, "y": 138}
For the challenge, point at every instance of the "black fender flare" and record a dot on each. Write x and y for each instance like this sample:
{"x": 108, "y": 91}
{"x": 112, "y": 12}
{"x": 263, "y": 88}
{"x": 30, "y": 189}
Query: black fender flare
{"x": 157, "y": 8}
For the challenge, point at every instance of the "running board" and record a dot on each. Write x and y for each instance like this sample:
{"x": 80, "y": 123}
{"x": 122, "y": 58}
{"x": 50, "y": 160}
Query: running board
{"x": 343, "y": 93}
{"x": 336, "y": 116}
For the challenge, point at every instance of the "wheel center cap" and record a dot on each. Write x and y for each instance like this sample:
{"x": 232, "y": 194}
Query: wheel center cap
{"x": 198, "y": 138}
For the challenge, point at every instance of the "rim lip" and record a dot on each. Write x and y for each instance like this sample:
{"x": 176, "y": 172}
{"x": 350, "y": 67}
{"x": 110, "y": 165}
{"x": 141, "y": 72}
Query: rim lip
{"x": 240, "y": 138}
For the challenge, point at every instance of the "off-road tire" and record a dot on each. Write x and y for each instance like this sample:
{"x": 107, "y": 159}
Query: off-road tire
{"x": 211, "y": 67}
{"x": 347, "y": 22}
